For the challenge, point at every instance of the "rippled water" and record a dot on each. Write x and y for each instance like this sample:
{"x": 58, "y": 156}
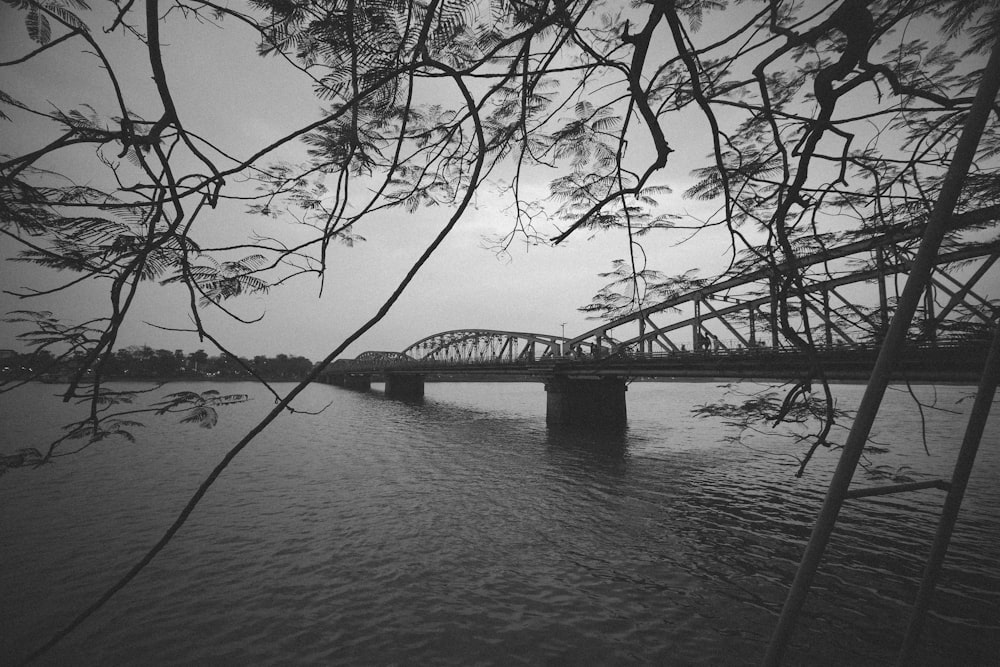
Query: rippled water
{"x": 461, "y": 531}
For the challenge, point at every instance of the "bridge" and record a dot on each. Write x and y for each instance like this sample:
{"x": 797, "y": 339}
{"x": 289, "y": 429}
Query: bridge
{"x": 727, "y": 328}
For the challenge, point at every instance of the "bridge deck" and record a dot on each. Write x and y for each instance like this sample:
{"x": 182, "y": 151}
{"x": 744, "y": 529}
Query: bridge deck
{"x": 955, "y": 363}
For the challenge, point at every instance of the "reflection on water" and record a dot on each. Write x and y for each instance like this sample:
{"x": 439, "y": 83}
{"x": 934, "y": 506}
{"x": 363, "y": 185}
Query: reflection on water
{"x": 607, "y": 446}
{"x": 460, "y": 530}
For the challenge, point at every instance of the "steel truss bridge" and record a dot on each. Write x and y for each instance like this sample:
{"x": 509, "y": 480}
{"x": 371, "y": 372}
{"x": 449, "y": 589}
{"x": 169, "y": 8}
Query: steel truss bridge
{"x": 842, "y": 305}
{"x": 728, "y": 328}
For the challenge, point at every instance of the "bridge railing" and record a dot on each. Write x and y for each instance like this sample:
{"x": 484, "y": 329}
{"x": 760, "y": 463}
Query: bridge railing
{"x": 371, "y": 365}
{"x": 361, "y": 366}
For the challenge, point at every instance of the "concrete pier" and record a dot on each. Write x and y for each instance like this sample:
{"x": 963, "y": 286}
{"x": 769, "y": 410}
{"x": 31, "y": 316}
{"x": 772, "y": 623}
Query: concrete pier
{"x": 357, "y": 382}
{"x": 405, "y": 387}
{"x": 596, "y": 403}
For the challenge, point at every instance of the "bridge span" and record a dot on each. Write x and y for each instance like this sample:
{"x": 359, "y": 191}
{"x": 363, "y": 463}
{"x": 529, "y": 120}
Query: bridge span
{"x": 590, "y": 389}
{"x": 727, "y": 328}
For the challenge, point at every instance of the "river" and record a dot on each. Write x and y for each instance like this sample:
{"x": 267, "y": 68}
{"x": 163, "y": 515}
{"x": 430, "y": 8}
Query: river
{"x": 462, "y": 531}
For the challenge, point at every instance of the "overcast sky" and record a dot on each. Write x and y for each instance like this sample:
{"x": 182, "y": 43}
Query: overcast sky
{"x": 226, "y": 92}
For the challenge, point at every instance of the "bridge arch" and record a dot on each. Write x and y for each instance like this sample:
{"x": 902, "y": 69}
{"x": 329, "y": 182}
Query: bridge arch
{"x": 382, "y": 357}
{"x": 741, "y": 309}
{"x": 486, "y": 345}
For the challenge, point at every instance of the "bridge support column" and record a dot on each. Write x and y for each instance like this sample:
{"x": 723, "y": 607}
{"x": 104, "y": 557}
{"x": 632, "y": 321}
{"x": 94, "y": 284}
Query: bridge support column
{"x": 357, "y": 382}
{"x": 598, "y": 402}
{"x": 406, "y": 387}
{"x": 336, "y": 380}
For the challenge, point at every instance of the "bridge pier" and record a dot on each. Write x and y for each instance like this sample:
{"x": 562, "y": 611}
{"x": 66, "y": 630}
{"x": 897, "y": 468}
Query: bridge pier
{"x": 594, "y": 402}
{"x": 357, "y": 382}
{"x": 407, "y": 387}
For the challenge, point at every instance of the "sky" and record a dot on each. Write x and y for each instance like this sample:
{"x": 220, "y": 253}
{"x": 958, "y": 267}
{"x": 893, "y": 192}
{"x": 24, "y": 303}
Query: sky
{"x": 226, "y": 92}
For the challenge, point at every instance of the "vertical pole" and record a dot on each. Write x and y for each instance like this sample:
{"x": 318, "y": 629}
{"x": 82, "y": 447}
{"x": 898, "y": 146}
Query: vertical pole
{"x": 753, "y": 326}
{"x": 696, "y": 328}
{"x": 930, "y": 326}
{"x": 774, "y": 311}
{"x": 953, "y": 501}
{"x": 883, "y": 301}
{"x": 889, "y": 354}
{"x": 826, "y": 318}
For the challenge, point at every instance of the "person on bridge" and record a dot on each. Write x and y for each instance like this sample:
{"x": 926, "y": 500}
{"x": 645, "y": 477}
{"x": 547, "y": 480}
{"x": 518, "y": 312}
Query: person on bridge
{"x": 705, "y": 341}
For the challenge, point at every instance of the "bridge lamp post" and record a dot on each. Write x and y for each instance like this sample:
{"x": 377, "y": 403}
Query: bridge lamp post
{"x": 562, "y": 343}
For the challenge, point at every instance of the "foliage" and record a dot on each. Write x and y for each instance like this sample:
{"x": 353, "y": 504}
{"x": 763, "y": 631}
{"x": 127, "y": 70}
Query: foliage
{"x": 144, "y": 363}
{"x": 137, "y": 363}
{"x": 799, "y": 413}
{"x": 113, "y": 415}
{"x": 198, "y": 407}
{"x": 631, "y": 288}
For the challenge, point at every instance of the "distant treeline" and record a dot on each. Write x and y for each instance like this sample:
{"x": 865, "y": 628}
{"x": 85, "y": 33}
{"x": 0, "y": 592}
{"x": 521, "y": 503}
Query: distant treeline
{"x": 145, "y": 363}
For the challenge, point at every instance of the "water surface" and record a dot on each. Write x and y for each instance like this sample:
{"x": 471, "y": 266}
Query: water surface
{"x": 462, "y": 531}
